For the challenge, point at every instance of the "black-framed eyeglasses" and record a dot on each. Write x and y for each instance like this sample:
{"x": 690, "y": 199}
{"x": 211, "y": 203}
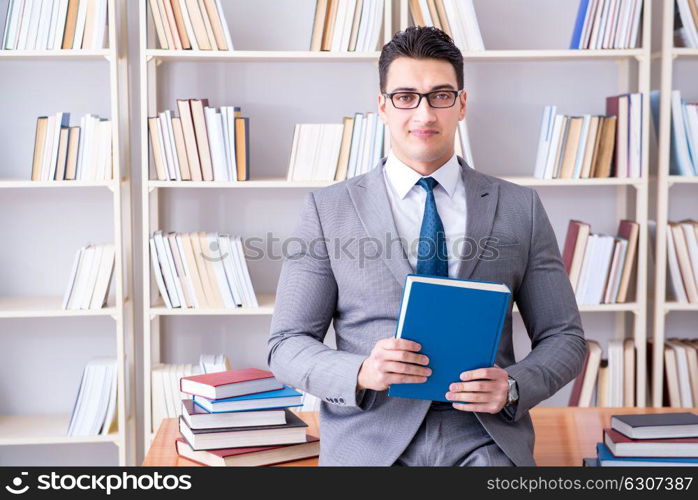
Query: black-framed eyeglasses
{"x": 435, "y": 98}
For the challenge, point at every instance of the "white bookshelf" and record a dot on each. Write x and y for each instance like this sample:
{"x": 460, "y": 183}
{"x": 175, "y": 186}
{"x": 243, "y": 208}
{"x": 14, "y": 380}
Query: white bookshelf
{"x": 51, "y": 429}
{"x": 630, "y": 195}
{"x": 662, "y": 306}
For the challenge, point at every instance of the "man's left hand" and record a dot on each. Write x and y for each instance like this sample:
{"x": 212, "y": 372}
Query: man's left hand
{"x": 485, "y": 390}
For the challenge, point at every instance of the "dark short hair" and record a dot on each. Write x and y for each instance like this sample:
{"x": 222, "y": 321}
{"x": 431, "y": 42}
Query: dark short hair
{"x": 420, "y": 42}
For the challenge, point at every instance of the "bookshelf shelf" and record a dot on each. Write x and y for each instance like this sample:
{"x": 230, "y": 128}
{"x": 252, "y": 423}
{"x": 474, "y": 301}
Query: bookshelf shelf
{"x": 279, "y": 183}
{"x": 663, "y": 306}
{"x": 61, "y": 55}
{"x": 266, "y": 308}
{"x": 44, "y": 429}
{"x": 51, "y": 429}
{"x": 45, "y": 307}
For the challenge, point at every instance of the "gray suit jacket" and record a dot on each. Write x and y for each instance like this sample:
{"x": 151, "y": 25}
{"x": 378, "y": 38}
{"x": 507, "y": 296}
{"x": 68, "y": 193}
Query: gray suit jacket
{"x": 348, "y": 266}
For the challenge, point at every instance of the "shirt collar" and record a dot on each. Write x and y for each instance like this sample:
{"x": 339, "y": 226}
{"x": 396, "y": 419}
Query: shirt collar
{"x": 403, "y": 178}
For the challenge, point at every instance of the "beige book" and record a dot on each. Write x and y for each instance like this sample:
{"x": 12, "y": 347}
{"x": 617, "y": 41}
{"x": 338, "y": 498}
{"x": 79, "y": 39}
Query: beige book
{"x": 179, "y": 268}
{"x": 171, "y": 23}
{"x": 569, "y": 157}
{"x": 62, "y": 153}
{"x": 156, "y": 149}
{"x": 343, "y": 162}
{"x": 185, "y": 117}
{"x": 202, "y": 145}
{"x": 90, "y": 24}
{"x": 578, "y": 255}
{"x": 211, "y": 283}
{"x": 39, "y": 147}
{"x": 445, "y": 26}
{"x": 416, "y": 12}
{"x": 242, "y": 154}
{"x": 330, "y": 21}
{"x": 604, "y": 159}
{"x": 612, "y": 272}
{"x": 71, "y": 162}
{"x": 356, "y": 23}
{"x": 197, "y": 22}
{"x": 682, "y": 372}
{"x": 70, "y": 23}
{"x": 602, "y": 386}
{"x": 181, "y": 149}
{"x": 433, "y": 14}
{"x": 693, "y": 7}
{"x": 159, "y": 24}
{"x": 590, "y": 147}
{"x": 590, "y": 374}
{"x": 672, "y": 377}
{"x": 207, "y": 26}
{"x": 630, "y": 231}
{"x": 692, "y": 358}
{"x": 181, "y": 26}
{"x": 319, "y": 25}
{"x": 216, "y": 24}
{"x": 629, "y": 372}
{"x": 192, "y": 264}
{"x": 682, "y": 256}
{"x": 100, "y": 293}
{"x": 169, "y": 36}
{"x": 560, "y": 147}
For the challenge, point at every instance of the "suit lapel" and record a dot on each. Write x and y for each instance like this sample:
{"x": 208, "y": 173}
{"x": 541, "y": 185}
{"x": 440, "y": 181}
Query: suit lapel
{"x": 481, "y": 197}
{"x": 370, "y": 200}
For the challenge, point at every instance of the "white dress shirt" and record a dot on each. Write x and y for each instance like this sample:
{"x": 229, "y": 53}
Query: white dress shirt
{"x": 407, "y": 202}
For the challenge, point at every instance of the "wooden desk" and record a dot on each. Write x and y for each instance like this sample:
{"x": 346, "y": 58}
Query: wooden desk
{"x": 563, "y": 435}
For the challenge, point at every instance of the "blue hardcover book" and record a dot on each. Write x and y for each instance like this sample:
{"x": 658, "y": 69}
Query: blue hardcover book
{"x": 579, "y": 24}
{"x": 458, "y": 324}
{"x": 280, "y": 398}
{"x": 607, "y": 459}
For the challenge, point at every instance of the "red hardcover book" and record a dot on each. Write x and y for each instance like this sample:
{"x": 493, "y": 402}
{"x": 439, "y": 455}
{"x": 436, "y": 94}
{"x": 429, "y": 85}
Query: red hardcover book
{"x": 229, "y": 383}
{"x": 623, "y": 446}
{"x": 570, "y": 243}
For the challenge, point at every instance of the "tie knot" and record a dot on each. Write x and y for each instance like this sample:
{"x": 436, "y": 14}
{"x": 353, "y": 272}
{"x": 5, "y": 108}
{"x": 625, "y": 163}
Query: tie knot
{"x": 427, "y": 183}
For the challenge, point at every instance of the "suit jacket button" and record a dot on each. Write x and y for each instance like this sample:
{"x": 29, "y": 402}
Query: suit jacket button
{"x": 341, "y": 400}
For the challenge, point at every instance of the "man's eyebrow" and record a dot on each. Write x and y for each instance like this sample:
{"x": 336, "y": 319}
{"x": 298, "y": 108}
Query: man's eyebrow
{"x": 435, "y": 87}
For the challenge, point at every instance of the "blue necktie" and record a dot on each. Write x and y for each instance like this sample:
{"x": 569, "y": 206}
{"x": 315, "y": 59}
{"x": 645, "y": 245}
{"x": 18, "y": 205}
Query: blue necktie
{"x": 432, "y": 257}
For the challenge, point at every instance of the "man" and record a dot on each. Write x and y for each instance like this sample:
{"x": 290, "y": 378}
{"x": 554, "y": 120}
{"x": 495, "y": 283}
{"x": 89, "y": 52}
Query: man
{"x": 350, "y": 266}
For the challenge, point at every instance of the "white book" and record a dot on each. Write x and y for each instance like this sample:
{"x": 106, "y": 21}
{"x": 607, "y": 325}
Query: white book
{"x": 78, "y": 421}
{"x": 588, "y": 24}
{"x": 364, "y": 27}
{"x": 581, "y": 149}
{"x": 682, "y": 367}
{"x": 239, "y": 253}
{"x": 347, "y": 26}
{"x": 14, "y": 11}
{"x": 86, "y": 167}
{"x": 586, "y": 270}
{"x": 688, "y": 24}
{"x": 234, "y": 279}
{"x": 619, "y": 270}
{"x": 619, "y": 35}
{"x": 464, "y": 26}
{"x": 310, "y": 150}
{"x": 603, "y": 23}
{"x": 544, "y": 138}
{"x": 472, "y": 32}
{"x": 555, "y": 138}
{"x": 56, "y": 42}
{"x": 170, "y": 142}
{"x": 596, "y": 25}
{"x": 365, "y": 126}
{"x": 111, "y": 408}
{"x": 375, "y": 32}
{"x": 635, "y": 133}
{"x": 80, "y": 24}
{"x": 158, "y": 274}
{"x": 101, "y": 133}
{"x": 46, "y": 159}
{"x": 162, "y": 134}
{"x": 340, "y": 21}
{"x": 105, "y": 271}
{"x": 175, "y": 274}
{"x": 294, "y": 152}
{"x": 187, "y": 283}
{"x": 465, "y": 142}
{"x": 690, "y": 115}
{"x": 632, "y": 40}
{"x": 167, "y": 272}
{"x": 71, "y": 280}
{"x": 215, "y": 139}
{"x": 88, "y": 291}
{"x": 679, "y": 140}
{"x": 76, "y": 300}
{"x": 453, "y": 21}
{"x": 34, "y": 22}
{"x": 355, "y": 144}
{"x": 168, "y": 145}
{"x": 81, "y": 147}
{"x": 62, "y": 120}
{"x": 102, "y": 400}
{"x": 622, "y": 137}
{"x": 611, "y": 22}
{"x": 692, "y": 243}
{"x": 424, "y": 7}
{"x": 226, "y": 28}
{"x": 51, "y": 20}
{"x": 675, "y": 279}
{"x": 23, "y": 28}
{"x": 378, "y": 144}
{"x": 100, "y": 30}
{"x": 601, "y": 261}
{"x": 228, "y": 142}
{"x": 219, "y": 271}
{"x": 369, "y": 137}
{"x": 616, "y": 371}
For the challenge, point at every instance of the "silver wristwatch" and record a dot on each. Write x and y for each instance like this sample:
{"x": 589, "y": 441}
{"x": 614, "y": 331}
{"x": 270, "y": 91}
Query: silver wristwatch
{"x": 513, "y": 395}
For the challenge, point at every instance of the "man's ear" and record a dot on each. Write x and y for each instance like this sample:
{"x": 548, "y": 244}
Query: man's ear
{"x": 381, "y": 108}
{"x": 462, "y": 99}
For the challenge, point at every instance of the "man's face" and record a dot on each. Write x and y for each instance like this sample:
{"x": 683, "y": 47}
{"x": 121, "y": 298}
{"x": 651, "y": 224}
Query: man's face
{"x": 422, "y": 137}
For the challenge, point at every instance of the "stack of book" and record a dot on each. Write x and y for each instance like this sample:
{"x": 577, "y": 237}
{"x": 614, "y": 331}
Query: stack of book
{"x": 607, "y": 24}
{"x": 684, "y": 136}
{"x": 90, "y": 278}
{"x": 456, "y": 18}
{"x": 648, "y": 440}
{"x": 201, "y": 144}
{"x": 201, "y": 270}
{"x": 165, "y": 393}
{"x": 94, "y": 411}
{"x": 62, "y": 152}
{"x": 682, "y": 260}
{"x": 579, "y": 147}
{"x": 600, "y": 267}
{"x": 347, "y": 25}
{"x": 190, "y": 25}
{"x": 681, "y": 373}
{"x": 53, "y": 25}
{"x": 686, "y": 23}
{"x": 241, "y": 417}
{"x": 606, "y": 382}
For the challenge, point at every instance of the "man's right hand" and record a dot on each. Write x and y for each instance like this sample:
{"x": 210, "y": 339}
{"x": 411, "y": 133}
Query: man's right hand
{"x": 393, "y": 361}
